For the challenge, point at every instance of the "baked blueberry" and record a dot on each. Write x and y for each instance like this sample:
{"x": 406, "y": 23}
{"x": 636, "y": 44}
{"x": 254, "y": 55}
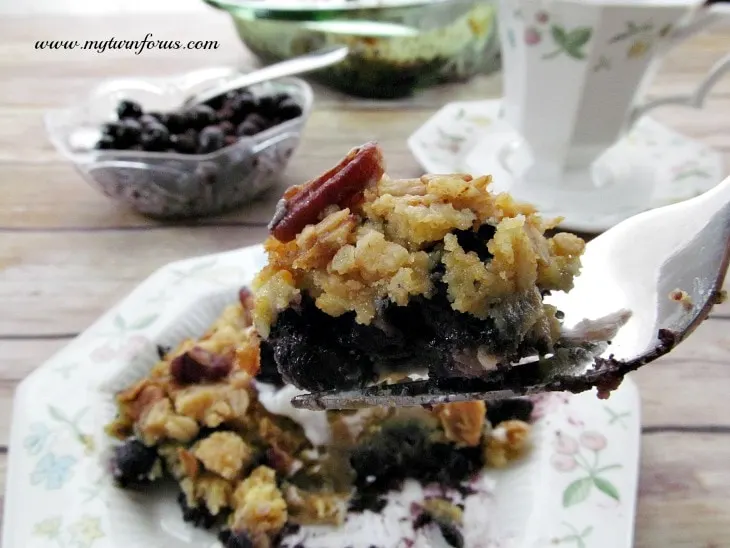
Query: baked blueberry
{"x": 210, "y": 139}
{"x": 451, "y": 534}
{"x": 241, "y": 106}
{"x": 246, "y": 129}
{"x": 129, "y": 132}
{"x": 186, "y": 143}
{"x": 404, "y": 450}
{"x": 509, "y": 409}
{"x": 200, "y": 116}
{"x": 106, "y": 142}
{"x": 128, "y": 109}
{"x": 288, "y": 109}
{"x": 268, "y": 105}
{"x": 111, "y": 129}
{"x": 175, "y": 122}
{"x": 133, "y": 462}
{"x": 476, "y": 240}
{"x": 227, "y": 127}
{"x": 197, "y": 515}
{"x": 236, "y": 539}
{"x": 258, "y": 119}
{"x": 254, "y": 123}
{"x": 154, "y": 138}
{"x": 151, "y": 118}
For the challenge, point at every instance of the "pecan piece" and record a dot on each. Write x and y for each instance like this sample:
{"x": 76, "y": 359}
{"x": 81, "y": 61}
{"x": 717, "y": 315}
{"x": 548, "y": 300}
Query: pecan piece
{"x": 343, "y": 185}
{"x": 147, "y": 397}
{"x": 198, "y": 364}
{"x": 245, "y": 297}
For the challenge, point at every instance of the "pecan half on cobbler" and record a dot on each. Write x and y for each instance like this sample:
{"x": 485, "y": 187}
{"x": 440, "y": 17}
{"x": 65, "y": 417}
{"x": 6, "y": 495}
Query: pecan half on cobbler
{"x": 369, "y": 276}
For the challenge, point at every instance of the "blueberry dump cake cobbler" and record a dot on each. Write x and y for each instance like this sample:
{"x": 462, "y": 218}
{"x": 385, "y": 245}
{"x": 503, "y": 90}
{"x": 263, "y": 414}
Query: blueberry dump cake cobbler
{"x": 213, "y": 414}
{"x": 371, "y": 278}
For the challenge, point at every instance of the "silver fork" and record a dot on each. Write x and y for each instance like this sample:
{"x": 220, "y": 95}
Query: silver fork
{"x": 634, "y": 266}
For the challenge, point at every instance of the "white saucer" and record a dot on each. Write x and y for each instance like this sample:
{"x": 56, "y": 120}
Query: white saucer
{"x": 681, "y": 167}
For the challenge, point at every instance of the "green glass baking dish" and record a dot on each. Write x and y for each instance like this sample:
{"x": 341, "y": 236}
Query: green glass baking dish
{"x": 396, "y": 46}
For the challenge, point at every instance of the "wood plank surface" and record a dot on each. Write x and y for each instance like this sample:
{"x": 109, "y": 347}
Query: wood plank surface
{"x": 67, "y": 253}
{"x": 683, "y": 491}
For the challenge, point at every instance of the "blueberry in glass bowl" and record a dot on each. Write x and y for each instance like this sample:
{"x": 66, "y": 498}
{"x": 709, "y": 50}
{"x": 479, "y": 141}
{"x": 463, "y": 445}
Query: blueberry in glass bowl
{"x": 131, "y": 139}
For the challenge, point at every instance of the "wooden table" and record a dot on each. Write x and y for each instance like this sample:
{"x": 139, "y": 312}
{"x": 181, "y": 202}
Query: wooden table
{"x": 67, "y": 253}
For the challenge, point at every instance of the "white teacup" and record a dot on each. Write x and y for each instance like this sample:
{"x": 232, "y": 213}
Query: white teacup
{"x": 574, "y": 73}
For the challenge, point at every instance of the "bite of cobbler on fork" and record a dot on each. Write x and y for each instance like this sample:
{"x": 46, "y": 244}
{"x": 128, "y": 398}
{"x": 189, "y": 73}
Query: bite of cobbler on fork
{"x": 371, "y": 278}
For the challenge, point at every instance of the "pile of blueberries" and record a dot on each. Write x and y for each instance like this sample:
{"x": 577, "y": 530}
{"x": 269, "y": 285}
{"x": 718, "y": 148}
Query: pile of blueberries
{"x": 200, "y": 129}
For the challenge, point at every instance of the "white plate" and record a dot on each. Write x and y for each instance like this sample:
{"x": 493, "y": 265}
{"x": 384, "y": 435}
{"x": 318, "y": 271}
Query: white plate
{"x": 576, "y": 489}
{"x": 682, "y": 167}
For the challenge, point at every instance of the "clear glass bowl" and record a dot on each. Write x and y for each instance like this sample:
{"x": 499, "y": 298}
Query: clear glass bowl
{"x": 168, "y": 184}
{"x": 456, "y": 40}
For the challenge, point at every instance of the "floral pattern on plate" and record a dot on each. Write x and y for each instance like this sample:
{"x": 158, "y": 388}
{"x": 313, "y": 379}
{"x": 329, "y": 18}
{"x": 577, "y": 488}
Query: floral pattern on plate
{"x": 685, "y": 168}
{"x": 59, "y": 492}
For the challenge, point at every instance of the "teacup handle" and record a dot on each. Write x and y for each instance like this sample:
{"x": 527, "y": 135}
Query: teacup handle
{"x": 708, "y": 14}
{"x": 694, "y": 100}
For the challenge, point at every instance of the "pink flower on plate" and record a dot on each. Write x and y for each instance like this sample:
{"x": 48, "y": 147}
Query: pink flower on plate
{"x": 532, "y": 36}
{"x": 547, "y": 403}
{"x": 104, "y": 353}
{"x": 565, "y": 445}
{"x": 542, "y": 17}
{"x": 563, "y": 463}
{"x": 574, "y": 419}
{"x": 595, "y": 441}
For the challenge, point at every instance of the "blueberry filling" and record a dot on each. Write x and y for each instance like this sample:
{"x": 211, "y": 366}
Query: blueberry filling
{"x": 509, "y": 409}
{"x": 315, "y": 351}
{"x": 199, "y": 516}
{"x": 133, "y": 463}
{"x": 404, "y": 450}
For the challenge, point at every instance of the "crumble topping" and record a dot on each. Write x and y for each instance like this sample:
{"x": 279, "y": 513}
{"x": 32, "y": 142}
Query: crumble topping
{"x": 388, "y": 246}
{"x": 463, "y": 422}
{"x": 223, "y": 453}
{"x": 507, "y": 442}
{"x": 683, "y": 298}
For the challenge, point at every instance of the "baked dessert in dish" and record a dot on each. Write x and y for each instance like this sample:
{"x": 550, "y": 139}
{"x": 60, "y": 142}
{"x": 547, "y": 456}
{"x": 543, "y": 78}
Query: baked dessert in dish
{"x": 373, "y": 278}
{"x": 214, "y": 415}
